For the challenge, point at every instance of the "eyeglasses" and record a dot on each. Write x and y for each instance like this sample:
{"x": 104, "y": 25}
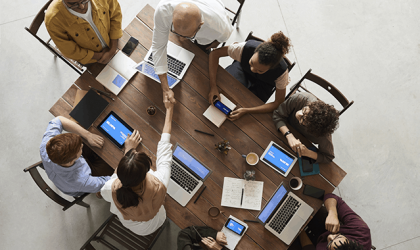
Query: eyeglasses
{"x": 191, "y": 38}
{"x": 329, "y": 244}
{"x": 77, "y": 5}
{"x": 305, "y": 111}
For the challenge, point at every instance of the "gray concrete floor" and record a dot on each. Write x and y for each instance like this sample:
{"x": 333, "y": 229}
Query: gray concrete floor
{"x": 368, "y": 49}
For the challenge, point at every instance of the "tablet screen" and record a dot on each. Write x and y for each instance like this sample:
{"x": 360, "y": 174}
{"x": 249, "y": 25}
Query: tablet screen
{"x": 115, "y": 129}
{"x": 278, "y": 158}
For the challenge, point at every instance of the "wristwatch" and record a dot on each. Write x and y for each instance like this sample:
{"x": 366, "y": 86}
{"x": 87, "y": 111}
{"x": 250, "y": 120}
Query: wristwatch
{"x": 287, "y": 133}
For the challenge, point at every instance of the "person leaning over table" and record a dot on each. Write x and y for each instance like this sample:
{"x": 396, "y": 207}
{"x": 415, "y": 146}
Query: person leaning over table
{"x": 85, "y": 30}
{"x": 311, "y": 117}
{"x": 342, "y": 229}
{"x": 204, "y": 21}
{"x": 259, "y": 66}
{"x": 73, "y": 168}
{"x": 136, "y": 192}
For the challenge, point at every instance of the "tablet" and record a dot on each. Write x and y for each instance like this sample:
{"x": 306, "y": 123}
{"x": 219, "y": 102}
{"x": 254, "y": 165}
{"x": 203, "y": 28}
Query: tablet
{"x": 278, "y": 159}
{"x": 115, "y": 129}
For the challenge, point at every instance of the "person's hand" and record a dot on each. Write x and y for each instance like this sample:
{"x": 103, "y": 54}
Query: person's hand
{"x": 211, "y": 244}
{"x": 236, "y": 114}
{"x": 293, "y": 142}
{"x": 332, "y": 224}
{"x": 221, "y": 238}
{"x": 214, "y": 44}
{"x": 302, "y": 150}
{"x": 213, "y": 92}
{"x": 95, "y": 140}
{"x": 170, "y": 95}
{"x": 132, "y": 140}
{"x": 168, "y": 105}
{"x": 106, "y": 57}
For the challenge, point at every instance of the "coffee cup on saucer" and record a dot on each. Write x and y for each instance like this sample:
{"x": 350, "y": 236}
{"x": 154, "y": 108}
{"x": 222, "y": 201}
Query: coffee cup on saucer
{"x": 251, "y": 158}
{"x": 295, "y": 183}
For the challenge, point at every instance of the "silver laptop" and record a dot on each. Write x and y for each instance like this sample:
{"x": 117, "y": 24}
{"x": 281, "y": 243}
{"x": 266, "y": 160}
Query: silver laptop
{"x": 179, "y": 59}
{"x": 284, "y": 214}
{"x": 187, "y": 176}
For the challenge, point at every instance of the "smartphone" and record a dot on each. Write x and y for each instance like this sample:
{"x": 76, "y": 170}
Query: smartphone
{"x": 314, "y": 192}
{"x": 222, "y": 107}
{"x": 235, "y": 226}
{"x": 130, "y": 46}
{"x": 307, "y": 166}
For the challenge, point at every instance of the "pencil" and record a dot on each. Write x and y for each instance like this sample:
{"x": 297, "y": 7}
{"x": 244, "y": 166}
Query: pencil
{"x": 203, "y": 132}
{"x": 200, "y": 194}
{"x": 252, "y": 221}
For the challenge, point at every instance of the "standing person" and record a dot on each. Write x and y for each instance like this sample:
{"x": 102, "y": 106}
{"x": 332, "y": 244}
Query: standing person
{"x": 343, "y": 230}
{"x": 85, "y": 30}
{"x": 259, "y": 66}
{"x": 136, "y": 192}
{"x": 73, "y": 168}
{"x": 311, "y": 117}
{"x": 204, "y": 21}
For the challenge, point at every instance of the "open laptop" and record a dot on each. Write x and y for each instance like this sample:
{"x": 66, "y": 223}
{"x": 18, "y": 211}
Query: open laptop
{"x": 284, "y": 214}
{"x": 187, "y": 176}
{"x": 179, "y": 59}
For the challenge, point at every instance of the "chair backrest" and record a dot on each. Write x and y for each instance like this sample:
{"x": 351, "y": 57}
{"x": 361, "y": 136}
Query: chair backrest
{"x": 325, "y": 85}
{"x": 112, "y": 228}
{"x": 251, "y": 36}
{"x": 237, "y": 13}
{"x": 33, "y": 30}
{"x": 36, "y": 176}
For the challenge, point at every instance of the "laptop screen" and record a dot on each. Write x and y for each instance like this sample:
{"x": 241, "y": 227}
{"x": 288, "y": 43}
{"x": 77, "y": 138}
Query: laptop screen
{"x": 272, "y": 204}
{"x": 190, "y": 162}
{"x": 278, "y": 158}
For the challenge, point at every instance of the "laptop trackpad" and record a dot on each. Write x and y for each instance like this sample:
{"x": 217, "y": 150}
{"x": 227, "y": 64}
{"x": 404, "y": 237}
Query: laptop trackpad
{"x": 295, "y": 224}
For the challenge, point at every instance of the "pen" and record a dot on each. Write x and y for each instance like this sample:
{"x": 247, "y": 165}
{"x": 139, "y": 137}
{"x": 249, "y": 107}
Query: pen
{"x": 200, "y": 194}
{"x": 203, "y": 132}
{"x": 252, "y": 221}
{"x": 242, "y": 196}
{"x": 103, "y": 93}
{"x": 89, "y": 72}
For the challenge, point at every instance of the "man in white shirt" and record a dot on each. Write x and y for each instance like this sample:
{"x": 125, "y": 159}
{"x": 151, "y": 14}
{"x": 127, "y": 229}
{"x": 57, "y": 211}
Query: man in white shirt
{"x": 204, "y": 21}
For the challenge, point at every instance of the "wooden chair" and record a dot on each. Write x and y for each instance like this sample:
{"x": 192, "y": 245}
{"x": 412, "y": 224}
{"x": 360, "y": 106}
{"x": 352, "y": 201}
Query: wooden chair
{"x": 250, "y": 36}
{"x": 49, "y": 192}
{"x": 113, "y": 229}
{"x": 324, "y": 84}
{"x": 33, "y": 30}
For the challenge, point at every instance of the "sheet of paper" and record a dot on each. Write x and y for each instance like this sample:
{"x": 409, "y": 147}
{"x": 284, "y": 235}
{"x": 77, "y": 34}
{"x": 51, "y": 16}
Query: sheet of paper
{"x": 216, "y": 116}
{"x": 123, "y": 65}
{"x": 232, "y": 192}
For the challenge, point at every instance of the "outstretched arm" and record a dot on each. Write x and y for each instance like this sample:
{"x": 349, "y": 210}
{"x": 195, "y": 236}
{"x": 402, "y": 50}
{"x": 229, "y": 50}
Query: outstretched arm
{"x": 213, "y": 65}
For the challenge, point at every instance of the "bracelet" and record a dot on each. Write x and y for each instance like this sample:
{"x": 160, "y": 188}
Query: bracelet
{"x": 287, "y": 133}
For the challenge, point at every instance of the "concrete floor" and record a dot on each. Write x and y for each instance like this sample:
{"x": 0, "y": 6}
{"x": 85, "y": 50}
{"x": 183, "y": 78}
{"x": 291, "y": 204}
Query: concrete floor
{"x": 368, "y": 49}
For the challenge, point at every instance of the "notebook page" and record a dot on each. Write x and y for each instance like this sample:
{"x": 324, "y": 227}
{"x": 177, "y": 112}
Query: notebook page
{"x": 232, "y": 191}
{"x": 253, "y": 195}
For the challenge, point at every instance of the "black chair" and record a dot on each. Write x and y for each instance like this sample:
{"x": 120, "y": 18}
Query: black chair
{"x": 237, "y": 15}
{"x": 250, "y": 36}
{"x": 33, "y": 170}
{"x": 33, "y": 30}
{"x": 324, "y": 84}
{"x": 113, "y": 229}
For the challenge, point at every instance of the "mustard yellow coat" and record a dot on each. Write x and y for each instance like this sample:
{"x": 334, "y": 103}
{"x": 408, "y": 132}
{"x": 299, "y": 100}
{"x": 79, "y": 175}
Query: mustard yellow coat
{"x": 74, "y": 36}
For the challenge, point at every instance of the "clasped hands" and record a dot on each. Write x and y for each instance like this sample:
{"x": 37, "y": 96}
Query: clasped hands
{"x": 217, "y": 244}
{"x": 297, "y": 145}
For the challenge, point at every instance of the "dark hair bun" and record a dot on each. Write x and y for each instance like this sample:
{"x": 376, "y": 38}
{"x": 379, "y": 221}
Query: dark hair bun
{"x": 280, "y": 42}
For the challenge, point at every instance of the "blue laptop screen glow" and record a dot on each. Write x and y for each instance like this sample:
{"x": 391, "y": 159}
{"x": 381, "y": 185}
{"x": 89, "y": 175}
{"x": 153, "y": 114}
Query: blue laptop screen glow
{"x": 190, "y": 162}
{"x": 150, "y": 71}
{"x": 115, "y": 129}
{"x": 272, "y": 204}
{"x": 235, "y": 226}
{"x": 278, "y": 159}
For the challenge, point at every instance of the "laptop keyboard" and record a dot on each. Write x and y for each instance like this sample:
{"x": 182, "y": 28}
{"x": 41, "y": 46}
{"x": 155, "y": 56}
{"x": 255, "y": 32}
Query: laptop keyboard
{"x": 284, "y": 214}
{"x": 175, "y": 66}
{"x": 151, "y": 72}
{"x": 182, "y": 178}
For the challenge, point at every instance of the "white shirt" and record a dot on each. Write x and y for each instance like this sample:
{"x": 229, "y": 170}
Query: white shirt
{"x": 88, "y": 18}
{"x": 217, "y": 26}
{"x": 163, "y": 173}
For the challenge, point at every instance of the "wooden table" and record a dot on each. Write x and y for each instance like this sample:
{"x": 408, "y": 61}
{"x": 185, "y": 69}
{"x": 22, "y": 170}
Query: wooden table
{"x": 251, "y": 133}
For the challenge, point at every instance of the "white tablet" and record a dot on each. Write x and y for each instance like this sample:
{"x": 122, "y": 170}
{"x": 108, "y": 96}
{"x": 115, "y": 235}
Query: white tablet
{"x": 234, "y": 229}
{"x": 278, "y": 158}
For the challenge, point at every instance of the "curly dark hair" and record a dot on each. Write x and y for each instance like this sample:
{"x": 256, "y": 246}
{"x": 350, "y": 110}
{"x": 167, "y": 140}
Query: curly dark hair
{"x": 322, "y": 119}
{"x": 349, "y": 245}
{"x": 271, "y": 52}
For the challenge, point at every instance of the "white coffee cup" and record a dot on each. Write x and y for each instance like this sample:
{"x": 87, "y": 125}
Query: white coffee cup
{"x": 251, "y": 158}
{"x": 295, "y": 183}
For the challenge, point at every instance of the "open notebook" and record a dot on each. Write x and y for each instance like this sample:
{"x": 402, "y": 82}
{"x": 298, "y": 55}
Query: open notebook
{"x": 216, "y": 116}
{"x": 117, "y": 73}
{"x": 251, "y": 196}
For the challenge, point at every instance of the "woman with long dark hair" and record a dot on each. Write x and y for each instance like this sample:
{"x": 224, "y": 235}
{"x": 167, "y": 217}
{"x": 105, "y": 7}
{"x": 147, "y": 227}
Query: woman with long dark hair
{"x": 259, "y": 66}
{"x": 136, "y": 192}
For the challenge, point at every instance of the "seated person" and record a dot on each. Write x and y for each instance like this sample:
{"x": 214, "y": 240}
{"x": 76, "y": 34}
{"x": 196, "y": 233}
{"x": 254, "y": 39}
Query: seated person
{"x": 73, "y": 168}
{"x": 343, "y": 229}
{"x": 136, "y": 192}
{"x": 85, "y": 30}
{"x": 189, "y": 239}
{"x": 259, "y": 66}
{"x": 204, "y": 21}
{"x": 314, "y": 119}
